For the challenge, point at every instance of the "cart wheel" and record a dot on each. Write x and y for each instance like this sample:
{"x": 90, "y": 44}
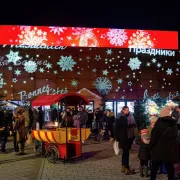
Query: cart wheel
{"x": 52, "y": 154}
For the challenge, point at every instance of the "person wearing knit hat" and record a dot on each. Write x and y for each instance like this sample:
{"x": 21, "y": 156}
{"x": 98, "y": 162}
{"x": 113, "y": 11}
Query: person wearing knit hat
{"x": 163, "y": 144}
{"x": 165, "y": 112}
{"x": 144, "y": 153}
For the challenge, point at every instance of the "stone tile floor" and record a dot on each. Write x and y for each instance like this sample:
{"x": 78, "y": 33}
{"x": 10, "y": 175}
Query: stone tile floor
{"x": 98, "y": 162}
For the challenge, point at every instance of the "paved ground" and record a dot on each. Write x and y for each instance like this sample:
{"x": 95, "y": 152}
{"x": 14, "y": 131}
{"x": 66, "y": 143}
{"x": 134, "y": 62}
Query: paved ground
{"x": 98, "y": 162}
{"x": 14, "y": 167}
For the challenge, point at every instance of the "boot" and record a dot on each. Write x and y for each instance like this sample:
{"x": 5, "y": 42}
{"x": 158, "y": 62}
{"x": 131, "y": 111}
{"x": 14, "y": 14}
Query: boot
{"x": 122, "y": 169}
{"x": 128, "y": 171}
{"x": 141, "y": 171}
{"x": 146, "y": 171}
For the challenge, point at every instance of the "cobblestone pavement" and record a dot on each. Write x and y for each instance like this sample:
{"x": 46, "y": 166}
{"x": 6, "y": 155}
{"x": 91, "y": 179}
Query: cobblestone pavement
{"x": 14, "y": 167}
{"x": 98, "y": 162}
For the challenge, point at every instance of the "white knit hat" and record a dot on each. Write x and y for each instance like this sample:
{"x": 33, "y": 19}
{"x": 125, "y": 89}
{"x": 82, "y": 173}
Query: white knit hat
{"x": 166, "y": 111}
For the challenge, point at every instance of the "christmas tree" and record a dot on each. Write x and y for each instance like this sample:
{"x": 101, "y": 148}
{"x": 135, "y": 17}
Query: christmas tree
{"x": 141, "y": 114}
{"x": 161, "y": 102}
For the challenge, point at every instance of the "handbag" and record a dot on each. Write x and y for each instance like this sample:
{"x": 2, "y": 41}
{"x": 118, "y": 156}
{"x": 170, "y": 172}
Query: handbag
{"x": 116, "y": 147}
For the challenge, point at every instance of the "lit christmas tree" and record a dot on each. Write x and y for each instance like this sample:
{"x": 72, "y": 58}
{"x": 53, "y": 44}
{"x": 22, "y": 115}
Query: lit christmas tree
{"x": 141, "y": 115}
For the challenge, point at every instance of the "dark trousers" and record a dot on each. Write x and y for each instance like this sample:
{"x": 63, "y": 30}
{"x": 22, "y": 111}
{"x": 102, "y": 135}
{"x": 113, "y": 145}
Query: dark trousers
{"x": 21, "y": 145}
{"x": 125, "y": 157}
{"x": 143, "y": 162}
{"x": 3, "y": 141}
{"x": 111, "y": 132}
{"x": 89, "y": 125}
{"x": 169, "y": 167}
{"x": 16, "y": 147}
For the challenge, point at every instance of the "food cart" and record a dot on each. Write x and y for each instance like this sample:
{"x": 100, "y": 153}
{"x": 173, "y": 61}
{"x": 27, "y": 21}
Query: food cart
{"x": 61, "y": 143}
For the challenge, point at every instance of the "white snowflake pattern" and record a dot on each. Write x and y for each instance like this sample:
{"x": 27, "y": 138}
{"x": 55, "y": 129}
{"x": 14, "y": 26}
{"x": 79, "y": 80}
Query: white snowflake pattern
{"x": 33, "y": 36}
{"x": 66, "y": 63}
{"x": 74, "y": 83}
{"x": 134, "y": 63}
{"x": 17, "y": 72}
{"x": 140, "y": 39}
{"x": 13, "y": 57}
{"x": 48, "y": 65}
{"x": 119, "y": 81}
{"x": 41, "y": 70}
{"x": 169, "y": 71}
{"x": 103, "y": 85}
{"x": 109, "y": 51}
{"x": 30, "y": 66}
{"x": 117, "y": 37}
{"x": 57, "y": 30}
{"x": 86, "y": 37}
{"x": 2, "y": 83}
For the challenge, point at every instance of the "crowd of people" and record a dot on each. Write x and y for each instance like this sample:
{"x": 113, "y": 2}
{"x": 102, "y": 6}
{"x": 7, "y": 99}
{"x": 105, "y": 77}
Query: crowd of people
{"x": 159, "y": 142}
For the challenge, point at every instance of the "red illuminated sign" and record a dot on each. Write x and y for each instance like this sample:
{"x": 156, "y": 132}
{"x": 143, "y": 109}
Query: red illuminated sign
{"x": 87, "y": 37}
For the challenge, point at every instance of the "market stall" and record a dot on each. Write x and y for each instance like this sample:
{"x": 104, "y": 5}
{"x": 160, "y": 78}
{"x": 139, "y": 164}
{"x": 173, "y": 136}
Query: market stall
{"x": 61, "y": 143}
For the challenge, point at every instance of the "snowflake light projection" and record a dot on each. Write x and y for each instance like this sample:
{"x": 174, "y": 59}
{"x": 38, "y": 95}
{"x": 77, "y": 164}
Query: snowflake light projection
{"x": 169, "y": 71}
{"x": 74, "y": 83}
{"x": 30, "y": 66}
{"x": 57, "y": 30}
{"x": 13, "y": 57}
{"x": 2, "y": 83}
{"x": 66, "y": 63}
{"x": 140, "y": 39}
{"x": 117, "y": 37}
{"x": 134, "y": 63}
{"x": 33, "y": 36}
{"x": 103, "y": 85}
{"x": 86, "y": 37}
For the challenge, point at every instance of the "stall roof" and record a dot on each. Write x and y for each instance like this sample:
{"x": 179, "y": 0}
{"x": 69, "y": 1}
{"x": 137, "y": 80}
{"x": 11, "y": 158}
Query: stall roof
{"x": 69, "y": 99}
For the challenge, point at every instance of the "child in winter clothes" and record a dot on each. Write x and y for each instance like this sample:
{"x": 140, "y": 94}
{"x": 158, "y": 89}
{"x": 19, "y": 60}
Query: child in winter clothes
{"x": 144, "y": 153}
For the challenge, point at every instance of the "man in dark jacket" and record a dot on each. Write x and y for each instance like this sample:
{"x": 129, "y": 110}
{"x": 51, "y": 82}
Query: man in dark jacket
{"x": 4, "y": 131}
{"x": 82, "y": 116}
{"x": 121, "y": 135}
{"x": 163, "y": 144}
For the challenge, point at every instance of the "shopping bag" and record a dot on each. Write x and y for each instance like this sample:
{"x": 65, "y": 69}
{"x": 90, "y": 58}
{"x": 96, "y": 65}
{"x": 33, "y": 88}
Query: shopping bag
{"x": 116, "y": 147}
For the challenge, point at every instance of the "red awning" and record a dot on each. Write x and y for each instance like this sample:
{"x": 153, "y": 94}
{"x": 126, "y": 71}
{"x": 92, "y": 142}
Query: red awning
{"x": 69, "y": 99}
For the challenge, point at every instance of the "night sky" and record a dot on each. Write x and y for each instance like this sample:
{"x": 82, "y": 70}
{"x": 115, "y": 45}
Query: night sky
{"x": 144, "y": 15}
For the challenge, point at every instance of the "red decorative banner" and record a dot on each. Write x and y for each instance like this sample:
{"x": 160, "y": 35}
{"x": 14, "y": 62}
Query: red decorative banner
{"x": 87, "y": 37}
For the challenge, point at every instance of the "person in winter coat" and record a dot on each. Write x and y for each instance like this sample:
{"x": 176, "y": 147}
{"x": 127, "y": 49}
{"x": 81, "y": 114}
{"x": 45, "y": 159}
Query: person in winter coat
{"x": 131, "y": 131}
{"x": 121, "y": 135}
{"x": 163, "y": 144}
{"x": 110, "y": 123}
{"x": 20, "y": 129}
{"x": 82, "y": 115}
{"x": 4, "y": 131}
{"x": 90, "y": 119}
{"x": 35, "y": 120}
{"x": 67, "y": 118}
{"x": 144, "y": 153}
